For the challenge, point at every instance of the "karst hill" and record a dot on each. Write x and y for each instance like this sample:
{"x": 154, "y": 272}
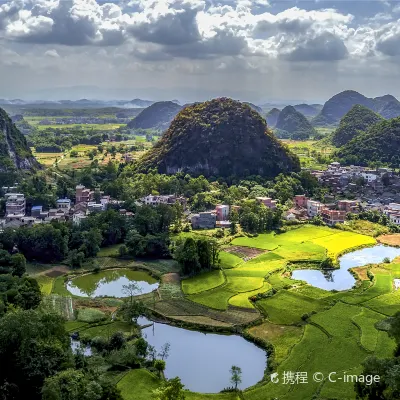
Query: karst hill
{"x": 220, "y": 138}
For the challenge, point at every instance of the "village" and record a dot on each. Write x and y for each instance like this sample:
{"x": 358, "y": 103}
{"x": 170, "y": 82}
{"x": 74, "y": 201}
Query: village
{"x": 352, "y": 190}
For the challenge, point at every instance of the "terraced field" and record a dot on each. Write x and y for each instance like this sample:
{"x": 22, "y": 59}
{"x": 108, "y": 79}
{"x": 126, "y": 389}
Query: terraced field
{"x": 243, "y": 278}
{"x": 310, "y": 329}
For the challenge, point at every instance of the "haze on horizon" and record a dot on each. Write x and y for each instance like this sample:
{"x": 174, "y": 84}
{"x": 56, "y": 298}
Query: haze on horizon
{"x": 253, "y": 50}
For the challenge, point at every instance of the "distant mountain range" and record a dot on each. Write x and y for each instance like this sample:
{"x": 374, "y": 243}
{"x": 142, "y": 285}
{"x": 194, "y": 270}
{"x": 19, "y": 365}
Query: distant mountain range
{"x": 339, "y": 105}
{"x": 135, "y": 103}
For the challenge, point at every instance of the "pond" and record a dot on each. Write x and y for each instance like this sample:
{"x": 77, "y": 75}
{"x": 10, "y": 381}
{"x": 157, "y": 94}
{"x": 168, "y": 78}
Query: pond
{"x": 110, "y": 283}
{"x": 203, "y": 360}
{"x": 76, "y": 345}
{"x": 341, "y": 279}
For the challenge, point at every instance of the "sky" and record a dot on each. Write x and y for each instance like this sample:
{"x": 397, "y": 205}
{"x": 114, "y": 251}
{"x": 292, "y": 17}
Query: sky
{"x": 192, "y": 50}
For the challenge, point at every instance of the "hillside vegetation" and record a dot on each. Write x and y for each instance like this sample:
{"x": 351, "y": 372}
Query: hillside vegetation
{"x": 14, "y": 150}
{"x": 380, "y": 143}
{"x": 356, "y": 121}
{"x": 221, "y": 137}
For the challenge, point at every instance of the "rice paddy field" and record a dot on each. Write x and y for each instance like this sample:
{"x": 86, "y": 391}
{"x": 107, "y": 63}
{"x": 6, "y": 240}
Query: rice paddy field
{"x": 331, "y": 331}
{"x": 310, "y": 329}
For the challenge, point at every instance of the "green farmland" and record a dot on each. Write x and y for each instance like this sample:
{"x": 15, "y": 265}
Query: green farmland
{"x": 309, "y": 329}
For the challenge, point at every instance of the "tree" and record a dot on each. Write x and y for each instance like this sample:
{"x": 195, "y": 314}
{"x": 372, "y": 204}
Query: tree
{"x": 75, "y": 259}
{"x": 187, "y": 256}
{"x": 236, "y": 376}
{"x": 33, "y": 346}
{"x": 117, "y": 341}
{"x": 159, "y": 365}
{"x": 18, "y": 262}
{"x": 164, "y": 352}
{"x": 141, "y": 347}
{"x": 170, "y": 390}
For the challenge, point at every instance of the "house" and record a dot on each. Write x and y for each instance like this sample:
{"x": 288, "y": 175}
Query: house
{"x": 222, "y": 212}
{"x": 267, "y": 201}
{"x": 64, "y": 204}
{"x": 29, "y": 221}
{"x": 36, "y": 210}
{"x": 300, "y": 201}
{"x": 350, "y": 206}
{"x": 78, "y": 217}
{"x": 95, "y": 207}
{"x": 83, "y": 195}
{"x": 154, "y": 200}
{"x": 15, "y": 203}
{"x": 333, "y": 217}
{"x": 314, "y": 208}
{"x": 204, "y": 220}
{"x": 290, "y": 217}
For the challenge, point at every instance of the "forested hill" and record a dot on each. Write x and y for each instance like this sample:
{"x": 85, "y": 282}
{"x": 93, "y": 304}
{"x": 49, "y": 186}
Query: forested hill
{"x": 223, "y": 138}
{"x": 357, "y": 120}
{"x": 14, "y": 150}
{"x": 380, "y": 143}
{"x": 158, "y": 116}
{"x": 295, "y": 123}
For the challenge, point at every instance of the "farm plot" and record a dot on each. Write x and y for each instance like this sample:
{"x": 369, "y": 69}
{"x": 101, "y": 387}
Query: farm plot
{"x": 342, "y": 241}
{"x": 366, "y": 321}
{"x": 332, "y": 344}
{"x": 246, "y": 253}
{"x": 282, "y": 337}
{"x": 287, "y": 307}
{"x": 205, "y": 281}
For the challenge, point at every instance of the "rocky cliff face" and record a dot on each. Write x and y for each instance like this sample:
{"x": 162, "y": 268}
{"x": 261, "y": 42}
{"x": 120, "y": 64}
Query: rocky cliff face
{"x": 14, "y": 150}
{"x": 220, "y": 138}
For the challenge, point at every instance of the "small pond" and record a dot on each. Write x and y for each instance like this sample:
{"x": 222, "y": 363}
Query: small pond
{"x": 203, "y": 360}
{"x": 341, "y": 279}
{"x": 76, "y": 345}
{"x": 110, "y": 283}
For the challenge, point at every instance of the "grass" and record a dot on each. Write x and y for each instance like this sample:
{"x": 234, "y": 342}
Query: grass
{"x": 205, "y": 281}
{"x": 216, "y": 298}
{"x": 242, "y": 299}
{"x": 287, "y": 307}
{"x": 138, "y": 384}
{"x": 365, "y": 228}
{"x": 282, "y": 337}
{"x": 229, "y": 260}
{"x": 45, "y": 283}
{"x": 91, "y": 315}
{"x": 110, "y": 251}
{"x": 366, "y": 321}
{"x": 107, "y": 329}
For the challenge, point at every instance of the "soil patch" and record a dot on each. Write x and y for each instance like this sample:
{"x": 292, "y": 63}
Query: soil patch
{"x": 247, "y": 253}
{"x": 171, "y": 278}
{"x": 391, "y": 240}
{"x": 361, "y": 273}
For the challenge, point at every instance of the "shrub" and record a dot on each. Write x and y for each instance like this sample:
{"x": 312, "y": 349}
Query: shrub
{"x": 386, "y": 260}
{"x": 91, "y": 315}
{"x": 123, "y": 250}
